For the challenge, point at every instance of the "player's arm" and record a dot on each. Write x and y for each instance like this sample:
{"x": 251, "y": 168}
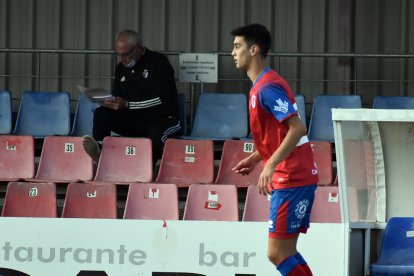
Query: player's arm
{"x": 274, "y": 99}
{"x": 293, "y": 136}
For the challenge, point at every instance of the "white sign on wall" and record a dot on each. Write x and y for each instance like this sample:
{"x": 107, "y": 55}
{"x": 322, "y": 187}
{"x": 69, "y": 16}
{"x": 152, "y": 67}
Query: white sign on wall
{"x": 144, "y": 247}
{"x": 198, "y": 68}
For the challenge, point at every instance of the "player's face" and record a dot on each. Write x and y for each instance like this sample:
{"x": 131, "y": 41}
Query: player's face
{"x": 241, "y": 53}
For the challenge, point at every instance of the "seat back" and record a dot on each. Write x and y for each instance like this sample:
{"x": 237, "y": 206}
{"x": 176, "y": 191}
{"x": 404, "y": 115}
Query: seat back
{"x": 397, "y": 243}
{"x": 17, "y": 159}
{"x": 185, "y": 162}
{"x": 326, "y": 208}
{"x": 63, "y": 159}
{"x": 301, "y": 106}
{"x": 83, "y": 121}
{"x": 233, "y": 152}
{"x": 125, "y": 160}
{"x": 5, "y": 112}
{"x": 90, "y": 200}
{"x": 321, "y": 125}
{"x": 182, "y": 113}
{"x": 43, "y": 113}
{"x": 257, "y": 206}
{"x": 211, "y": 202}
{"x": 388, "y": 102}
{"x": 26, "y": 199}
{"x": 152, "y": 201}
{"x": 322, "y": 153}
{"x": 221, "y": 116}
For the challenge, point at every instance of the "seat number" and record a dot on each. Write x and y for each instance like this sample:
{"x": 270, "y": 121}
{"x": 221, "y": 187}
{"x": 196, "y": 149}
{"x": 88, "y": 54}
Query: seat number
{"x": 189, "y": 149}
{"x": 33, "y": 192}
{"x": 248, "y": 147}
{"x": 69, "y": 147}
{"x": 130, "y": 150}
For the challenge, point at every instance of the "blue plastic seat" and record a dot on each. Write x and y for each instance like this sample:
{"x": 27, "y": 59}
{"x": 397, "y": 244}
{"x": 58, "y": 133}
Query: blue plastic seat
{"x": 220, "y": 117}
{"x": 321, "y": 125}
{"x": 83, "y": 121}
{"x": 384, "y": 102}
{"x": 43, "y": 113}
{"x": 182, "y": 113}
{"x": 5, "y": 112}
{"x": 300, "y": 103}
{"x": 397, "y": 249}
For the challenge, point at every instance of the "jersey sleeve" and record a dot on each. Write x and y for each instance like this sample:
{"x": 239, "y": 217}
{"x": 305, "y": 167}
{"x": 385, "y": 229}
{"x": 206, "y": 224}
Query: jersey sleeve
{"x": 274, "y": 99}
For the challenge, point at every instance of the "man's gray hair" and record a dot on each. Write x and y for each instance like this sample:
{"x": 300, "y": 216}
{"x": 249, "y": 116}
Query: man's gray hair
{"x": 132, "y": 36}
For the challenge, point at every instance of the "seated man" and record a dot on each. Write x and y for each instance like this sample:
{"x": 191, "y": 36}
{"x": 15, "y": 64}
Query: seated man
{"x": 145, "y": 100}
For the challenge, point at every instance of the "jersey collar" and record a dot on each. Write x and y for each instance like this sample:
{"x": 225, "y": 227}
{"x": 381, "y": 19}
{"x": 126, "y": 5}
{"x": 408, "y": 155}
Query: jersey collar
{"x": 267, "y": 69}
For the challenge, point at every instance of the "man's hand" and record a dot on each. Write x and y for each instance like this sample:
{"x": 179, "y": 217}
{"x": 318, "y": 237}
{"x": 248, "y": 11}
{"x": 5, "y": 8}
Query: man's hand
{"x": 116, "y": 103}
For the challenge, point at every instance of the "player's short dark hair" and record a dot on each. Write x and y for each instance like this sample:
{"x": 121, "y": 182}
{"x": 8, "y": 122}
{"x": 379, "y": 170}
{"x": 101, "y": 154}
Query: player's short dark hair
{"x": 255, "y": 34}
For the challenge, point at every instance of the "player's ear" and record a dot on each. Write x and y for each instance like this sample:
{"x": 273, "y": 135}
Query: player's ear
{"x": 254, "y": 50}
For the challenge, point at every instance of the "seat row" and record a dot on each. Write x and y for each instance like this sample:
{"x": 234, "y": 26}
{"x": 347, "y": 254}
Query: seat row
{"x": 129, "y": 160}
{"x": 48, "y": 113}
{"x": 153, "y": 201}
{"x": 219, "y": 116}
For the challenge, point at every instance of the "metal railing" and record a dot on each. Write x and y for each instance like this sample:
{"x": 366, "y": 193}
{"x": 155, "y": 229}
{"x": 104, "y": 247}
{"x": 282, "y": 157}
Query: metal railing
{"x": 36, "y": 73}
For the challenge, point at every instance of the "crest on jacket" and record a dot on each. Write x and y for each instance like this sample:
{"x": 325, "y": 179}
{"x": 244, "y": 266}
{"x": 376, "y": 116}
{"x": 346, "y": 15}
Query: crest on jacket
{"x": 145, "y": 73}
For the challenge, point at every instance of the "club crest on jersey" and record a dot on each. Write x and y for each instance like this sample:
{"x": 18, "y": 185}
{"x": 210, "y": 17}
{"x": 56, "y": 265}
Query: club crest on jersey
{"x": 300, "y": 209}
{"x": 145, "y": 73}
{"x": 282, "y": 106}
{"x": 254, "y": 101}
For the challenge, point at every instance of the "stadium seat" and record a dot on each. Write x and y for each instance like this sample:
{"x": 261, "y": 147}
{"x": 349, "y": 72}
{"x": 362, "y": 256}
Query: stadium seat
{"x": 152, "y": 201}
{"x": 182, "y": 113}
{"x": 17, "y": 160}
{"x": 388, "y": 102}
{"x": 396, "y": 256}
{"x": 220, "y": 117}
{"x": 125, "y": 160}
{"x": 5, "y": 112}
{"x": 322, "y": 153}
{"x": 64, "y": 160}
{"x": 83, "y": 121}
{"x": 257, "y": 206}
{"x": 233, "y": 152}
{"x": 321, "y": 125}
{"x": 43, "y": 113}
{"x": 26, "y": 199}
{"x": 326, "y": 208}
{"x": 185, "y": 162}
{"x": 90, "y": 200}
{"x": 211, "y": 202}
{"x": 301, "y": 105}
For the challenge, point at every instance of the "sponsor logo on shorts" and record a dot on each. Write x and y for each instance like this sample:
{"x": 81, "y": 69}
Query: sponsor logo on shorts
{"x": 300, "y": 209}
{"x": 270, "y": 224}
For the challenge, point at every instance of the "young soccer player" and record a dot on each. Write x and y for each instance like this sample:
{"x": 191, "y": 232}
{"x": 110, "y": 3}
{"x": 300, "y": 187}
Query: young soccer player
{"x": 289, "y": 173}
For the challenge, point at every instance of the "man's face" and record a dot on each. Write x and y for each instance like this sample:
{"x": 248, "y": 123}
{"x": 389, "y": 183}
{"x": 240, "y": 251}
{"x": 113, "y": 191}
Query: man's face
{"x": 241, "y": 53}
{"x": 126, "y": 52}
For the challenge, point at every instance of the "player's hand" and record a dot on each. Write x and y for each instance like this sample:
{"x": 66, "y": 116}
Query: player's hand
{"x": 116, "y": 103}
{"x": 265, "y": 178}
{"x": 245, "y": 166}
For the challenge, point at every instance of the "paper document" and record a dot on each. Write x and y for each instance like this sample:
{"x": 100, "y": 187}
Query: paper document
{"x": 96, "y": 95}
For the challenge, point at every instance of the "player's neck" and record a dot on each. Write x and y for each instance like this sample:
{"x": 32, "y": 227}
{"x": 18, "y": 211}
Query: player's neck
{"x": 256, "y": 68}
